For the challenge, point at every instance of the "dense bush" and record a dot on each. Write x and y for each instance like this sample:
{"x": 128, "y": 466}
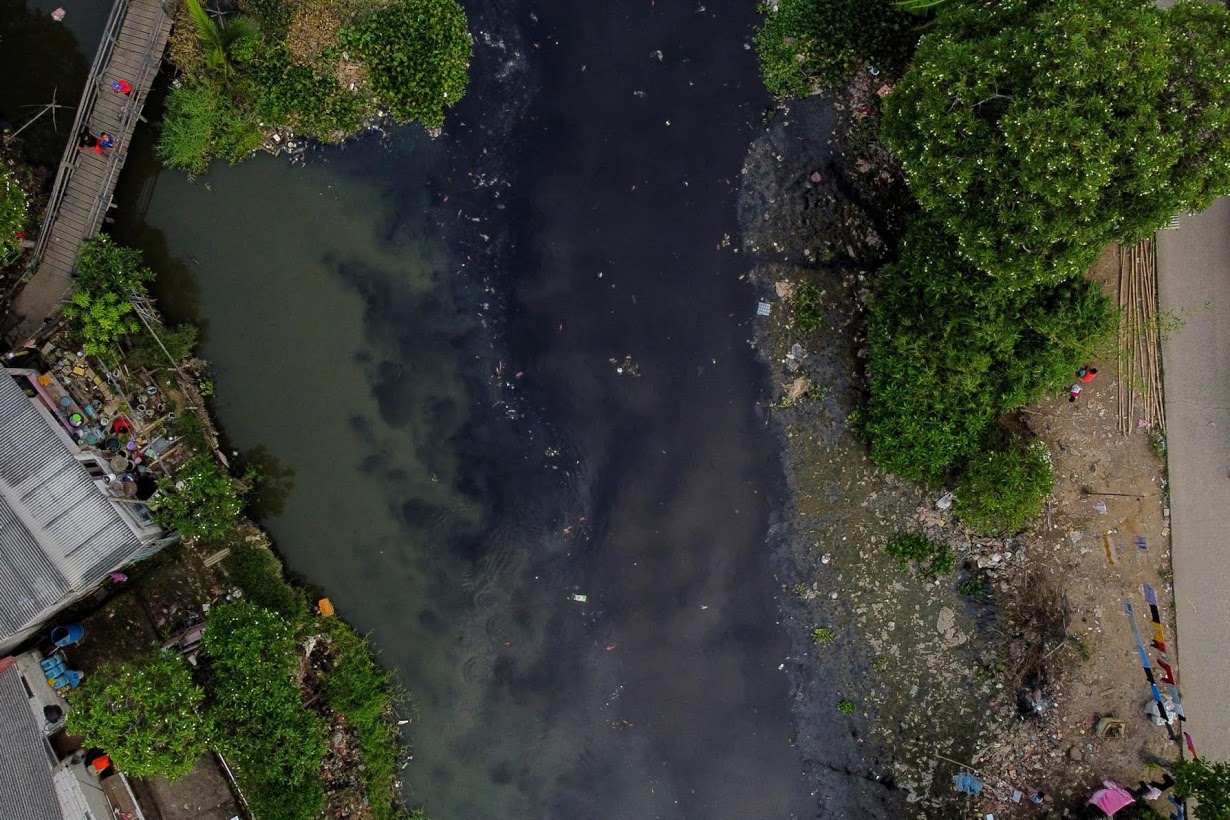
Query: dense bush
{"x": 12, "y": 212}
{"x": 1208, "y": 783}
{"x": 201, "y": 123}
{"x": 1004, "y": 486}
{"x": 310, "y": 102}
{"x": 201, "y": 501}
{"x": 146, "y": 715}
{"x": 275, "y": 745}
{"x": 259, "y": 574}
{"x": 805, "y": 44}
{"x": 318, "y": 69}
{"x": 951, "y": 349}
{"x": 1037, "y": 132}
{"x": 100, "y": 310}
{"x": 359, "y": 689}
{"x": 418, "y": 56}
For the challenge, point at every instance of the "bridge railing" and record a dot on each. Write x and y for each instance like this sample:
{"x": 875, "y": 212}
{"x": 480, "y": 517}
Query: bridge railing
{"x": 68, "y": 161}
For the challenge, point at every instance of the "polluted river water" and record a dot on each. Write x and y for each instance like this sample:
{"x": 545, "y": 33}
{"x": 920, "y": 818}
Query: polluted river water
{"x": 508, "y": 369}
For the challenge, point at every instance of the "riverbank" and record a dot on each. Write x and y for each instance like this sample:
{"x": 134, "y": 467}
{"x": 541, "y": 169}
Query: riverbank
{"x": 1007, "y": 665}
{"x": 332, "y": 698}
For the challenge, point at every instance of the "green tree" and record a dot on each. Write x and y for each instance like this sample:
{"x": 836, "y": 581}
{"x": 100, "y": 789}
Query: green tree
{"x": 275, "y": 744}
{"x": 223, "y": 45}
{"x": 201, "y": 501}
{"x": 1039, "y": 130}
{"x": 1208, "y": 783}
{"x": 12, "y": 213}
{"x": 418, "y": 57}
{"x": 100, "y": 310}
{"x": 146, "y": 715}
{"x": 950, "y": 349}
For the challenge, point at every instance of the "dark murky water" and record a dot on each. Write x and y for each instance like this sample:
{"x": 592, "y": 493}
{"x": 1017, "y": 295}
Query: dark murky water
{"x": 430, "y": 336}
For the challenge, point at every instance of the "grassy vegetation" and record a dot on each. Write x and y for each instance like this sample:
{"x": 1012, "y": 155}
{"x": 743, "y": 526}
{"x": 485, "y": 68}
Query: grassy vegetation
{"x": 201, "y": 501}
{"x": 823, "y": 636}
{"x": 932, "y": 559}
{"x": 846, "y": 707}
{"x": 808, "y": 313}
{"x": 317, "y": 68}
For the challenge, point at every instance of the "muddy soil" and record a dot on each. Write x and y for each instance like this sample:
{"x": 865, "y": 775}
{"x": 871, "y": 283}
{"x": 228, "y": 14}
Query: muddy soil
{"x": 934, "y": 675}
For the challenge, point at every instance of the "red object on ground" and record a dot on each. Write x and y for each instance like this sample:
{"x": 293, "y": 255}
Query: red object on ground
{"x": 100, "y": 764}
{"x": 1088, "y": 374}
{"x": 121, "y": 425}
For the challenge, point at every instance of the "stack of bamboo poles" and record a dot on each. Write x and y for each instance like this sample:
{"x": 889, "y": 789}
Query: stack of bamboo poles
{"x": 1140, "y": 370}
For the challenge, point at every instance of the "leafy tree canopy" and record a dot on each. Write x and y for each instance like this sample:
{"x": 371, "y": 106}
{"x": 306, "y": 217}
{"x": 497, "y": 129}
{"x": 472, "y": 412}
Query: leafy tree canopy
{"x": 1039, "y": 130}
{"x": 1209, "y": 783}
{"x": 100, "y": 309}
{"x": 202, "y": 501}
{"x": 146, "y": 715}
{"x": 951, "y": 349}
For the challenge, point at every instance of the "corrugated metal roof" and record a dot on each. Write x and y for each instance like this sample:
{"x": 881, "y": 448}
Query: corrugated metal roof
{"x": 26, "y": 788}
{"x": 58, "y": 533}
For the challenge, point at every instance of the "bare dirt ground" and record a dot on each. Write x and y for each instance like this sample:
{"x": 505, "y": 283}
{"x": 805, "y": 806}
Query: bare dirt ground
{"x": 935, "y": 678}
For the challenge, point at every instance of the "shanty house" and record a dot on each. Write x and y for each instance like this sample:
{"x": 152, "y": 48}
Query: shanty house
{"x": 62, "y": 532}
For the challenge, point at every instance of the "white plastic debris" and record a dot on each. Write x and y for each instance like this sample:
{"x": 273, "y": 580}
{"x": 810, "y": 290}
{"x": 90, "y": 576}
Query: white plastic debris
{"x": 763, "y": 309}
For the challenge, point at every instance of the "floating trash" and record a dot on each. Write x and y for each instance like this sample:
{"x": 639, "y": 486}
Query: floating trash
{"x": 763, "y": 309}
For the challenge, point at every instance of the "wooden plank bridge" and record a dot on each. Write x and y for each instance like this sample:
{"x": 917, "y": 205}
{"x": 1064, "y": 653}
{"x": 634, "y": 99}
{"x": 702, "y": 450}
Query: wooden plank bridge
{"x": 131, "y": 51}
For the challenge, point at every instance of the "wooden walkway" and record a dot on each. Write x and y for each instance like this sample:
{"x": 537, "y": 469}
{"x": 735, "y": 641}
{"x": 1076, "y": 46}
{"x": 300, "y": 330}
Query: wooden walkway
{"x": 131, "y": 50}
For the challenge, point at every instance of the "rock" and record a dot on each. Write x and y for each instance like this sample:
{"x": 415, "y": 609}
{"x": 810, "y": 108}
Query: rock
{"x": 1074, "y": 753}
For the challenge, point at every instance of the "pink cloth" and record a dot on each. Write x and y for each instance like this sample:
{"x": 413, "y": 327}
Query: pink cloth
{"x": 1112, "y": 798}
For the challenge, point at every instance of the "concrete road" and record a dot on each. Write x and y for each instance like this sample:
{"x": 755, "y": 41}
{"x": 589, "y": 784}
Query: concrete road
{"x": 1194, "y": 282}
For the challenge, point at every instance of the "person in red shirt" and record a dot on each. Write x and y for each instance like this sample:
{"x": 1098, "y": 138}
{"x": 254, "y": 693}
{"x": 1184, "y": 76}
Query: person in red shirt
{"x": 1087, "y": 374}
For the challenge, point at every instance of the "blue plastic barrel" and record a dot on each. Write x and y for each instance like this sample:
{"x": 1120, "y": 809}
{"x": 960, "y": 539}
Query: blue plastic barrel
{"x": 67, "y": 635}
{"x": 70, "y": 678}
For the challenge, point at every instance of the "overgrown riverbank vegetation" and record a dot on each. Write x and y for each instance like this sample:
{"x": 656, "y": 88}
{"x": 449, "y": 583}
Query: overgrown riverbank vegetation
{"x": 1031, "y": 134}
{"x": 294, "y": 701}
{"x": 267, "y": 69}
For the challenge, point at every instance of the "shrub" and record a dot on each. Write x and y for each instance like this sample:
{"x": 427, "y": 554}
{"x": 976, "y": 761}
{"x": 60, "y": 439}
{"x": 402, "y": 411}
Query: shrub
{"x": 257, "y": 571}
{"x": 100, "y": 309}
{"x": 275, "y": 745}
{"x": 933, "y": 559}
{"x": 359, "y": 689}
{"x": 808, "y": 43}
{"x": 146, "y": 715}
{"x": 1208, "y": 783}
{"x": 201, "y": 123}
{"x": 1005, "y": 486}
{"x": 13, "y": 206}
{"x": 418, "y": 56}
{"x": 846, "y": 706}
{"x": 144, "y": 350}
{"x": 950, "y": 349}
{"x": 202, "y": 501}
{"x": 310, "y": 102}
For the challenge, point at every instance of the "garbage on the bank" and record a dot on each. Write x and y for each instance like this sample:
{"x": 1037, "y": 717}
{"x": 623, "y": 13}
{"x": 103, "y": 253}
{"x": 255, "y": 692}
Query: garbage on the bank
{"x": 579, "y": 598}
{"x": 944, "y": 502}
{"x": 966, "y": 783}
{"x": 763, "y": 309}
{"x": 1111, "y": 798}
